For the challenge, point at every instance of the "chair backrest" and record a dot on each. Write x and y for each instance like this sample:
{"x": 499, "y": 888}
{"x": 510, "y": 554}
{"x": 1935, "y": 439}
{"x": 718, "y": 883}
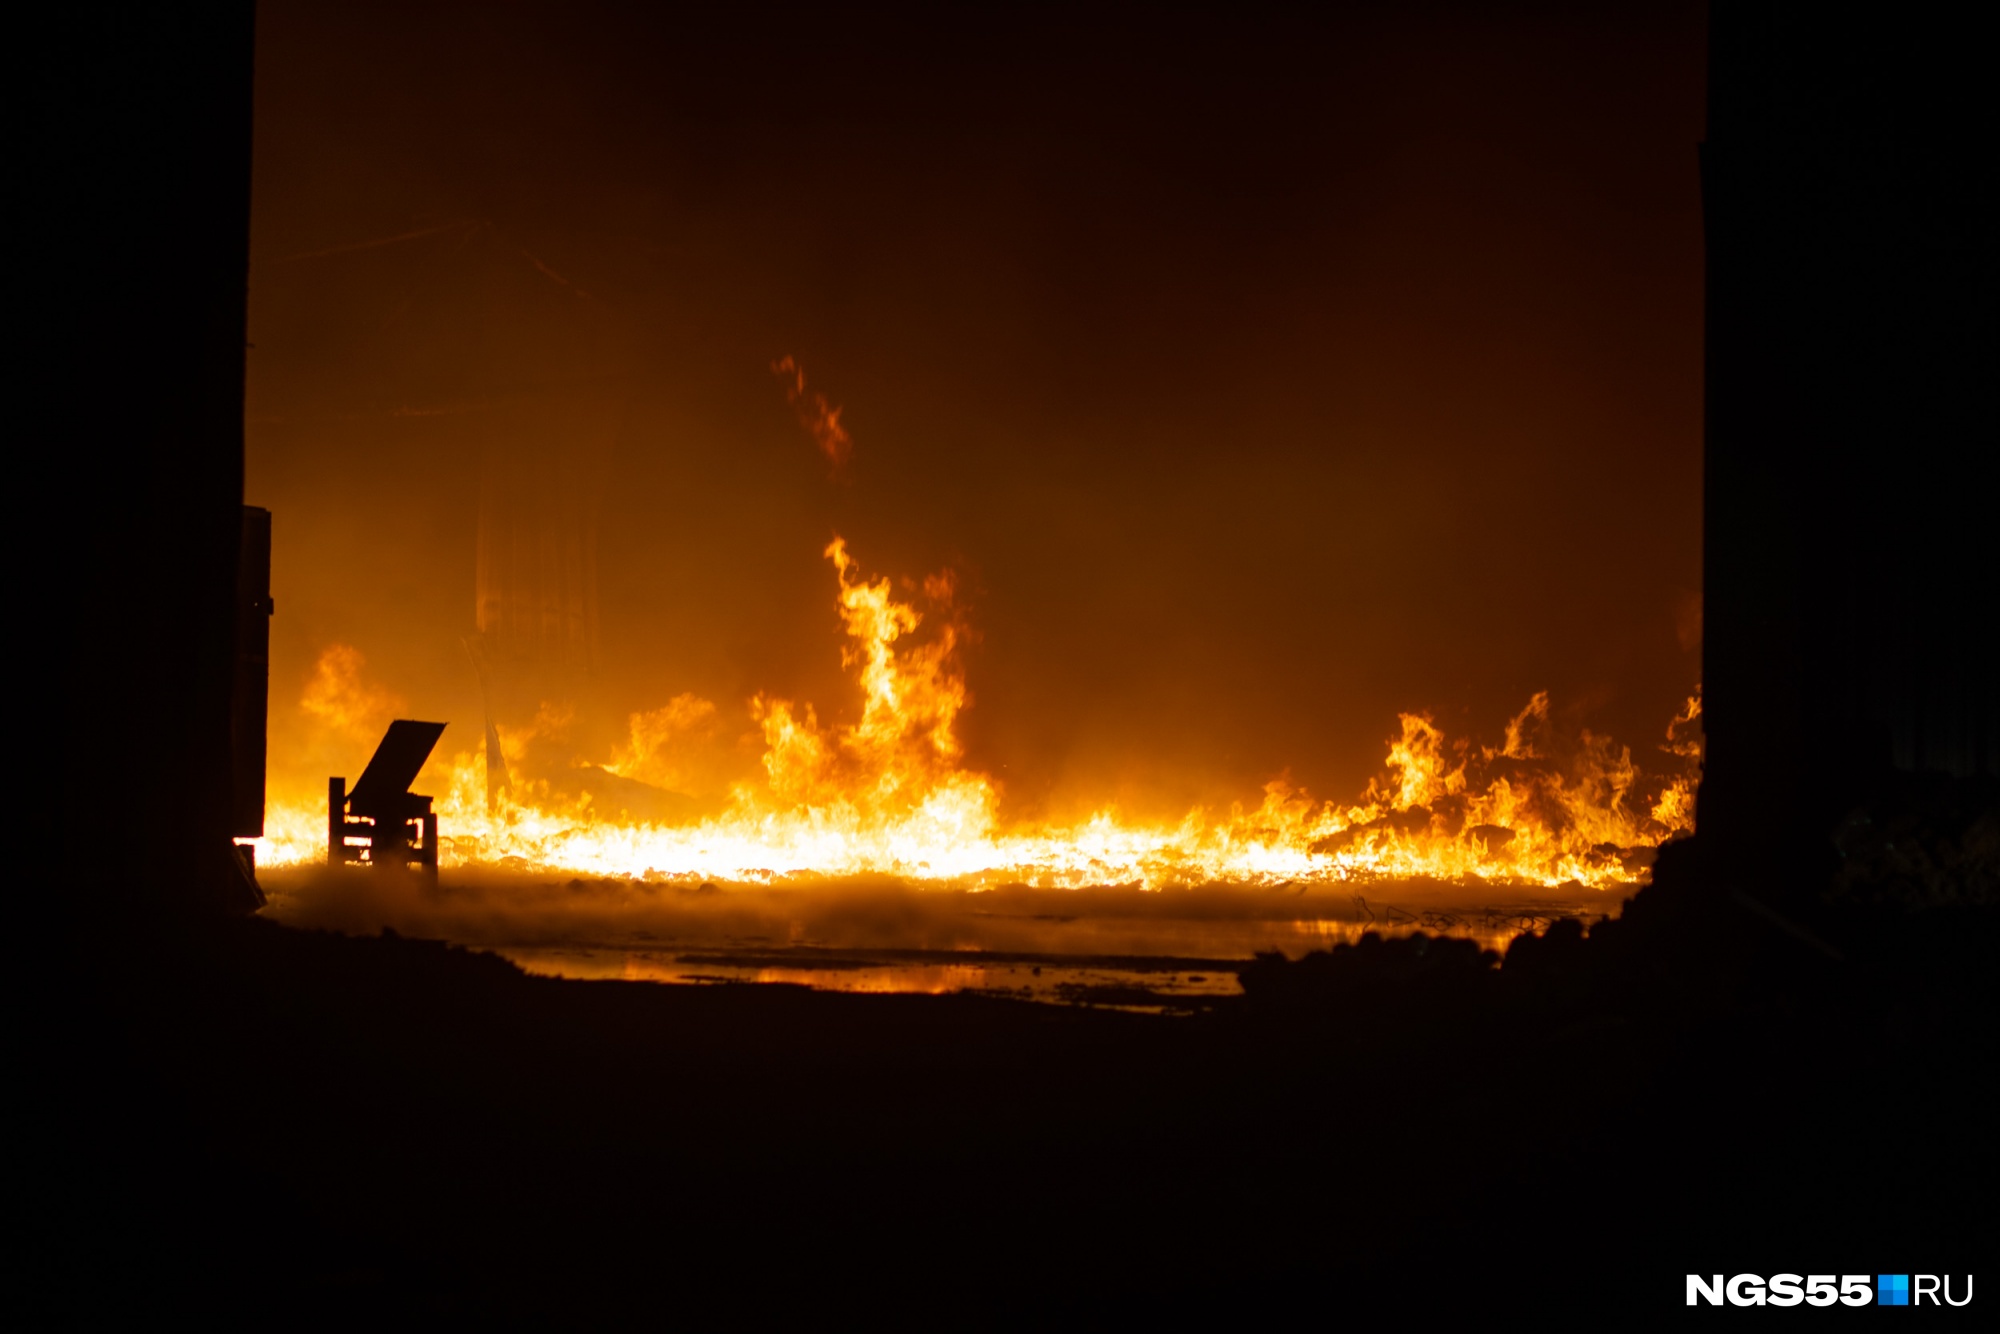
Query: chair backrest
{"x": 383, "y": 790}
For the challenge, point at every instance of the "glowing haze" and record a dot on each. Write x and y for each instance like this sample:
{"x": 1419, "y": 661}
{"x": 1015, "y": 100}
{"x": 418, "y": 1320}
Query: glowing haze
{"x": 1296, "y": 413}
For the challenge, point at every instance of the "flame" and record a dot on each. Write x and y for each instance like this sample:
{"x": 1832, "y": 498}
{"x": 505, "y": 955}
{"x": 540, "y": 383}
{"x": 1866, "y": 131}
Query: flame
{"x": 904, "y": 744}
{"x": 1518, "y": 745}
{"x": 1674, "y": 809}
{"x": 890, "y": 793}
{"x": 821, "y": 421}
{"x": 1417, "y": 762}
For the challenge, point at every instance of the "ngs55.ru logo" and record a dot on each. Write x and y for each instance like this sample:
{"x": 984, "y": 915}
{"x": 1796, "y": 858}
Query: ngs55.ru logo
{"x": 1827, "y": 1289}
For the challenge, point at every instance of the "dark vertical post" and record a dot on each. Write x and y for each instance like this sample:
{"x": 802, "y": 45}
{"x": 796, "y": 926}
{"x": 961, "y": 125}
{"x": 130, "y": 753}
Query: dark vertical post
{"x": 250, "y": 699}
{"x": 429, "y": 860}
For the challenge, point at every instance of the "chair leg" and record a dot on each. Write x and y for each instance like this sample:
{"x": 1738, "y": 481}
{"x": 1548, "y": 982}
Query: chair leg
{"x": 336, "y": 822}
{"x": 429, "y": 856}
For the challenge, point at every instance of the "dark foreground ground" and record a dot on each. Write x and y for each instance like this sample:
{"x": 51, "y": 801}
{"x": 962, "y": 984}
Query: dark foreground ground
{"x": 241, "y": 1121}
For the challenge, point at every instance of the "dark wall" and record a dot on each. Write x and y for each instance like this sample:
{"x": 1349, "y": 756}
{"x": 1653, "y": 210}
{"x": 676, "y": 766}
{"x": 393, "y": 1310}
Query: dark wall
{"x": 135, "y": 195}
{"x": 1849, "y": 543}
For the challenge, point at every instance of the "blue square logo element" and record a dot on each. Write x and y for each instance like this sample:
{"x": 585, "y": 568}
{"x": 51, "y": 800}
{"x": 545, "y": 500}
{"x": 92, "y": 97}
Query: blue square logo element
{"x": 1892, "y": 1289}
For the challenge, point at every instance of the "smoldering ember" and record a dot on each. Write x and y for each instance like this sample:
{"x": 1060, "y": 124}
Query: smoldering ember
{"x": 988, "y": 667}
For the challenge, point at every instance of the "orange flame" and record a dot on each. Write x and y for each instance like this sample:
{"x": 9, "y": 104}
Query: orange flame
{"x": 889, "y": 793}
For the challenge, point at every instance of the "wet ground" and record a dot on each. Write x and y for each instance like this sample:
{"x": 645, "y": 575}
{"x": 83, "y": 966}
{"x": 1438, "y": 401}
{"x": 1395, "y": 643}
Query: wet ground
{"x": 1171, "y": 950}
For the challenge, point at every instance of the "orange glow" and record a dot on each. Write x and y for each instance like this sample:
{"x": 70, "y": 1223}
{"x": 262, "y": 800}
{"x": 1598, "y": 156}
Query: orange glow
{"x": 890, "y": 793}
{"x": 342, "y": 702}
{"x": 659, "y": 753}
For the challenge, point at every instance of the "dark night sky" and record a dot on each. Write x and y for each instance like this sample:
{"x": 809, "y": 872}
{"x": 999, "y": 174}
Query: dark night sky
{"x": 1262, "y": 373}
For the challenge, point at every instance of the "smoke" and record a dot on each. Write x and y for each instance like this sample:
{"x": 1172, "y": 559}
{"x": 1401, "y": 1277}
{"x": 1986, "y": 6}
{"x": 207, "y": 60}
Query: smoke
{"x": 820, "y": 420}
{"x": 498, "y": 908}
{"x": 340, "y": 699}
{"x": 675, "y": 748}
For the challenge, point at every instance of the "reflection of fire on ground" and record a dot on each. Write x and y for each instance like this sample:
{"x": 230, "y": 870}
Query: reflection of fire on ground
{"x": 1173, "y": 948}
{"x": 889, "y": 793}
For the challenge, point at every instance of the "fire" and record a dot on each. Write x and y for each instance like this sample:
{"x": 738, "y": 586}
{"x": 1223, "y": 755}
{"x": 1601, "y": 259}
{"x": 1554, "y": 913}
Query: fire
{"x": 890, "y": 792}
{"x": 904, "y": 747}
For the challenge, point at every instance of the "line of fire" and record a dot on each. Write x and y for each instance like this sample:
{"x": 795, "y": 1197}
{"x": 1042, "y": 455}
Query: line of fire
{"x": 835, "y": 890}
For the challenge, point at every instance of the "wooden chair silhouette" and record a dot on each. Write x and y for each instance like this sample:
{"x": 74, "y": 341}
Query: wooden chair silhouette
{"x": 381, "y": 822}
